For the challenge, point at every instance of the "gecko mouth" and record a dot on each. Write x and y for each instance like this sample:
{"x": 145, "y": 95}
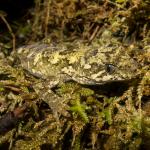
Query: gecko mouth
{"x": 98, "y": 81}
{"x": 106, "y": 79}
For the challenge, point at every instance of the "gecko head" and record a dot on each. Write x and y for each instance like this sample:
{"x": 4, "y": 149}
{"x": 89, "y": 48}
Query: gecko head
{"x": 118, "y": 71}
{"x": 109, "y": 65}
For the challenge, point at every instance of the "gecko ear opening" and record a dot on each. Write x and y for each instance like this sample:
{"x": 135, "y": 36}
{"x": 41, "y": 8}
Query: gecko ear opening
{"x": 110, "y": 68}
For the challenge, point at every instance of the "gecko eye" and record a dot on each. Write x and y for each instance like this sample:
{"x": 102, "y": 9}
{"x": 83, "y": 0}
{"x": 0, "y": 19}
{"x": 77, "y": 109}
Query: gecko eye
{"x": 110, "y": 68}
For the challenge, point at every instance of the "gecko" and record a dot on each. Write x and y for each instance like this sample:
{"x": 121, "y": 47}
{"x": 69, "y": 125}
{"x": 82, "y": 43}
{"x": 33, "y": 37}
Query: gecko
{"x": 103, "y": 61}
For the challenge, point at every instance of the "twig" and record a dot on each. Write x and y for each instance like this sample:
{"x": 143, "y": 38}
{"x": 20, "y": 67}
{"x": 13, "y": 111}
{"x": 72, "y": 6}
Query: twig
{"x": 94, "y": 33}
{"x": 47, "y": 17}
{"x": 10, "y": 31}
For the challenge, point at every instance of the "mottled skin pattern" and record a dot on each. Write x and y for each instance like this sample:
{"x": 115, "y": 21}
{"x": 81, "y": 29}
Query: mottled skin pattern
{"x": 96, "y": 63}
{"x": 84, "y": 64}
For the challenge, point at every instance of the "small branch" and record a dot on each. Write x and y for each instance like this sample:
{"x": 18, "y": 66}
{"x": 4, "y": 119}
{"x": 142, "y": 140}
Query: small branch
{"x": 94, "y": 33}
{"x": 10, "y": 31}
{"x": 47, "y": 17}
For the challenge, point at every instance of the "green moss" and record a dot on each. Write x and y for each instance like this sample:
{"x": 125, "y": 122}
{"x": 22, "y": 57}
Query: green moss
{"x": 80, "y": 109}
